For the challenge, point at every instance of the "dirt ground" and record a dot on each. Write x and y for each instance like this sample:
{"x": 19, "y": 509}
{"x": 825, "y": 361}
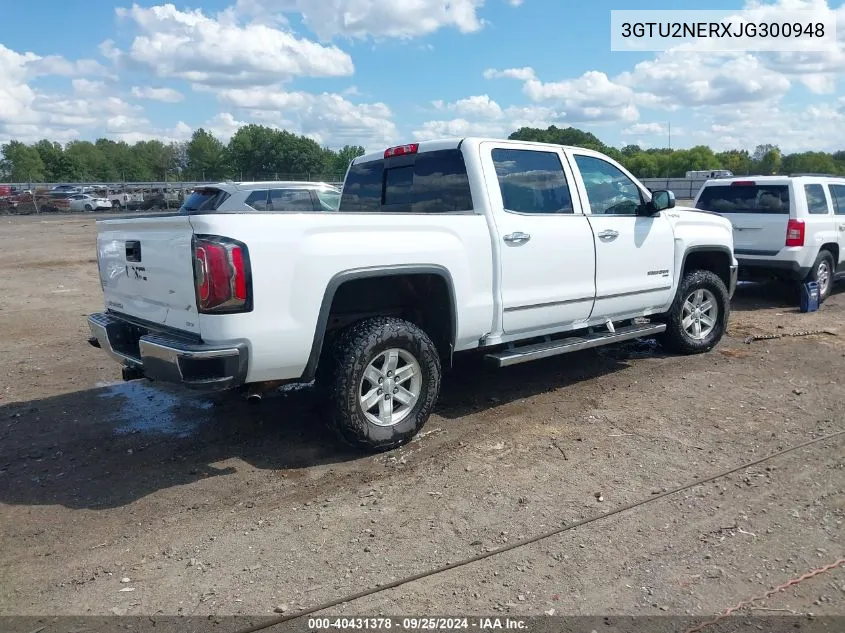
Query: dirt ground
{"x": 121, "y": 498}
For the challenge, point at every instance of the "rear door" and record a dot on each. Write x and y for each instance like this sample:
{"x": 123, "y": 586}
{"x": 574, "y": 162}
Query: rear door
{"x": 546, "y": 247}
{"x": 837, "y": 194}
{"x": 758, "y": 211}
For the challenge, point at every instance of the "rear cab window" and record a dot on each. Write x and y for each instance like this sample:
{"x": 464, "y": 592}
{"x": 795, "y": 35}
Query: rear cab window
{"x": 203, "y": 201}
{"x": 425, "y": 182}
{"x": 745, "y": 197}
{"x": 837, "y": 194}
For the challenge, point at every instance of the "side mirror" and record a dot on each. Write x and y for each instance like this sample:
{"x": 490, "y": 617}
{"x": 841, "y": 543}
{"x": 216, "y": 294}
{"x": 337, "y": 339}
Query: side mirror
{"x": 662, "y": 199}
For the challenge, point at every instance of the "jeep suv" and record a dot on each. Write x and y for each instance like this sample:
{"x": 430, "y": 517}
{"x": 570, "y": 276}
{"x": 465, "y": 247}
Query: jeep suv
{"x": 788, "y": 227}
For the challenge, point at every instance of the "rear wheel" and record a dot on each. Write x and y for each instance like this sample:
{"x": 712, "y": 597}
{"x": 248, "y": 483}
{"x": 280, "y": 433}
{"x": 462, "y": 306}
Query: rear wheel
{"x": 382, "y": 383}
{"x": 822, "y": 274}
{"x": 698, "y": 317}
{"x": 88, "y": 207}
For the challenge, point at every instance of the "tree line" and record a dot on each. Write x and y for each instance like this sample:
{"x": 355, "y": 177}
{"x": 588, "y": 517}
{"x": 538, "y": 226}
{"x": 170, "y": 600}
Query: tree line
{"x": 255, "y": 152}
{"x": 258, "y": 152}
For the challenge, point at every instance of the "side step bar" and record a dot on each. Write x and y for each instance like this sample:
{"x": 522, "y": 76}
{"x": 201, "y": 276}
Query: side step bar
{"x": 516, "y": 355}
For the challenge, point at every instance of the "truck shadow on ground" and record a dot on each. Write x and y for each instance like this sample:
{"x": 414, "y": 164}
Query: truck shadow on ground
{"x": 750, "y": 296}
{"x": 107, "y": 447}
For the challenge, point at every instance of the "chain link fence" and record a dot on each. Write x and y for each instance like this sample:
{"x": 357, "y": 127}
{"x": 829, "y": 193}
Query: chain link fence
{"x": 46, "y": 197}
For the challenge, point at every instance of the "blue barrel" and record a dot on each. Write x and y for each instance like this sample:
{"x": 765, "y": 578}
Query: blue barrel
{"x": 809, "y": 296}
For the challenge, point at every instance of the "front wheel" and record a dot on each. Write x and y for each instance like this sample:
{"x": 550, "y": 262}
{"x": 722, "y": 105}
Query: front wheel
{"x": 383, "y": 383}
{"x": 698, "y": 317}
{"x": 88, "y": 207}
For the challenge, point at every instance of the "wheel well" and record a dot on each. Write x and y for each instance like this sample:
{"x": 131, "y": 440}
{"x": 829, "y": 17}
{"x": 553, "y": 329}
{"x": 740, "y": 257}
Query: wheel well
{"x": 424, "y": 299}
{"x": 834, "y": 250}
{"x": 715, "y": 261}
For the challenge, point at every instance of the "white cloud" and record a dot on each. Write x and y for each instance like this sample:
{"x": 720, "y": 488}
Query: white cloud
{"x": 141, "y": 130}
{"x": 166, "y": 95}
{"x": 522, "y": 74}
{"x": 373, "y": 18}
{"x": 223, "y": 126}
{"x": 220, "y": 50}
{"x": 644, "y": 128}
{"x": 88, "y": 87}
{"x": 328, "y": 118}
{"x": 590, "y": 97}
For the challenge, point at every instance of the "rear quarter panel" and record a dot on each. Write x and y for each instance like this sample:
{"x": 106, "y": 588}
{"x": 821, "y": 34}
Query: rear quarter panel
{"x": 294, "y": 256}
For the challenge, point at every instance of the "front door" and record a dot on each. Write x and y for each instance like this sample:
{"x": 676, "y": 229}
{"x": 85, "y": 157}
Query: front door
{"x": 635, "y": 255}
{"x": 545, "y": 242}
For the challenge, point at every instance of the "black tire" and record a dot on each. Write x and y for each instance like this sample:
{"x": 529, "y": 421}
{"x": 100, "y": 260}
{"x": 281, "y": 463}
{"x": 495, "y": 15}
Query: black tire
{"x": 354, "y": 350}
{"x": 676, "y": 338}
{"x": 88, "y": 207}
{"x": 825, "y": 258}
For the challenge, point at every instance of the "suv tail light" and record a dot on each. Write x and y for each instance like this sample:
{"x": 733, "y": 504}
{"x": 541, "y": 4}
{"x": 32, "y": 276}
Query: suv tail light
{"x": 795, "y": 233}
{"x": 222, "y": 275}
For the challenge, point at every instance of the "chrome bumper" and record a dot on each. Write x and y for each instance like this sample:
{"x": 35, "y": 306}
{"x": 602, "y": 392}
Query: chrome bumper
{"x": 734, "y": 277}
{"x": 160, "y": 355}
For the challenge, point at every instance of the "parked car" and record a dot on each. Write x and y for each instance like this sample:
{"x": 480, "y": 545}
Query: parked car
{"x": 67, "y": 189}
{"x": 265, "y": 196}
{"x": 125, "y": 200}
{"x": 87, "y": 202}
{"x": 517, "y": 251}
{"x": 786, "y": 227}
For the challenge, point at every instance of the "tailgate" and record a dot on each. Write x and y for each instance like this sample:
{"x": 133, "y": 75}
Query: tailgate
{"x": 759, "y": 213}
{"x": 146, "y": 266}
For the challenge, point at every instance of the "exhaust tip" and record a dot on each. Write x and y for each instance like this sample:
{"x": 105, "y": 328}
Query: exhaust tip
{"x": 253, "y": 398}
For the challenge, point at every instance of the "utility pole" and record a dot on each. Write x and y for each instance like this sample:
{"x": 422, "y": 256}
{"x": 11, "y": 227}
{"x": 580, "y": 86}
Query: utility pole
{"x": 670, "y": 135}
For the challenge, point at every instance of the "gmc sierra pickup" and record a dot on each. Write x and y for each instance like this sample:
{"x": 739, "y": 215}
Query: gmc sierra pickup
{"x": 516, "y": 250}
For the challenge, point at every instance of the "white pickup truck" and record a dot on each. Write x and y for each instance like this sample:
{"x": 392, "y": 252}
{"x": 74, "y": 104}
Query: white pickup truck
{"x": 516, "y": 250}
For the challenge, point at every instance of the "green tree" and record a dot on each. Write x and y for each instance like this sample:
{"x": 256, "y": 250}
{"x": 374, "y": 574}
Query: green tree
{"x": 560, "y": 136}
{"x": 340, "y": 160}
{"x": 809, "y": 163}
{"x": 206, "y": 156}
{"x": 737, "y": 161}
{"x": 767, "y": 159}
{"x": 22, "y": 163}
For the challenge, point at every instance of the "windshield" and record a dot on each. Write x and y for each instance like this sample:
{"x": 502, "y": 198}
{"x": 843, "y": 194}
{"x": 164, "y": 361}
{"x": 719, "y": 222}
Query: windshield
{"x": 329, "y": 199}
{"x": 745, "y": 199}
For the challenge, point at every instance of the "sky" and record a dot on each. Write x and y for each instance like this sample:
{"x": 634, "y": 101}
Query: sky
{"x": 382, "y": 72}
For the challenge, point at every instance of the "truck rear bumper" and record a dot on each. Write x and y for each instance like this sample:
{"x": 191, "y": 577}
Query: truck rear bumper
{"x": 165, "y": 356}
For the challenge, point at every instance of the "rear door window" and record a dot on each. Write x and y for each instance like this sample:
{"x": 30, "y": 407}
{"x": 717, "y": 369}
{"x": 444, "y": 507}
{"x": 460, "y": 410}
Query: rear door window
{"x": 290, "y": 200}
{"x": 742, "y": 198}
{"x": 837, "y": 192}
{"x": 816, "y": 200}
{"x": 257, "y": 200}
{"x": 428, "y": 182}
{"x": 532, "y": 181}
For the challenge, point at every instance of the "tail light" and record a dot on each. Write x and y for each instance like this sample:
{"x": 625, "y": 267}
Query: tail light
{"x": 401, "y": 150}
{"x": 222, "y": 275}
{"x": 795, "y": 233}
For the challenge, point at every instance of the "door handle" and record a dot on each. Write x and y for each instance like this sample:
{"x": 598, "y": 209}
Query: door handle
{"x": 842, "y": 227}
{"x": 517, "y": 238}
{"x": 609, "y": 235}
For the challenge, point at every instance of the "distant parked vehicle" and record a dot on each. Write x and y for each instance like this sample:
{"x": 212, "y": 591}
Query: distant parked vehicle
{"x": 784, "y": 227}
{"x": 66, "y": 189}
{"x": 711, "y": 173}
{"x": 86, "y": 202}
{"x": 265, "y": 196}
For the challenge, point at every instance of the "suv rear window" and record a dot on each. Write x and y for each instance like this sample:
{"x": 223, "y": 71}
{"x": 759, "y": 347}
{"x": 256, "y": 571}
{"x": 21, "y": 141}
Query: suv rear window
{"x": 745, "y": 199}
{"x": 428, "y": 182}
{"x": 203, "y": 200}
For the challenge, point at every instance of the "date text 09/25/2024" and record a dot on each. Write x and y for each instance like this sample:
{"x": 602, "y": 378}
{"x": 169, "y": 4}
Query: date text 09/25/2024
{"x": 417, "y": 624}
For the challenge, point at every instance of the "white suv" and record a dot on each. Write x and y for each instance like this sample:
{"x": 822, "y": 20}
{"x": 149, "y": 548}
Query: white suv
{"x": 235, "y": 197}
{"x": 790, "y": 227}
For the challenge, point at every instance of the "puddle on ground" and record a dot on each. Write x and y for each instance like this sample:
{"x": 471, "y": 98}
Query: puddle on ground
{"x": 142, "y": 408}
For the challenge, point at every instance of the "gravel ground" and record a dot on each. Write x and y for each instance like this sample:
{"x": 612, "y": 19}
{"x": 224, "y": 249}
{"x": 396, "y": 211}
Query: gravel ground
{"x": 204, "y": 505}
